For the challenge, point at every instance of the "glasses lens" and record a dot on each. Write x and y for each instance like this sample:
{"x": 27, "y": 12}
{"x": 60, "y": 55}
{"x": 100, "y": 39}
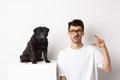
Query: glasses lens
{"x": 75, "y": 31}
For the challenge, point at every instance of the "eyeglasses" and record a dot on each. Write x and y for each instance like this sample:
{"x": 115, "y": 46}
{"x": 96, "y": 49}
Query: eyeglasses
{"x": 75, "y": 31}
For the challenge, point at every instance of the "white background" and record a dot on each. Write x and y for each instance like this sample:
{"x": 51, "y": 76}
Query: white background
{"x": 18, "y": 18}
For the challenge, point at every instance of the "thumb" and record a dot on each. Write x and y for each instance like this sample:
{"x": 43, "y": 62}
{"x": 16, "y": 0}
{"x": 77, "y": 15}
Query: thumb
{"x": 94, "y": 44}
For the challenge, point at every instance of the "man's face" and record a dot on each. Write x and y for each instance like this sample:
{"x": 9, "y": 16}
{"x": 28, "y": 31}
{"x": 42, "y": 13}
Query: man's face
{"x": 76, "y": 33}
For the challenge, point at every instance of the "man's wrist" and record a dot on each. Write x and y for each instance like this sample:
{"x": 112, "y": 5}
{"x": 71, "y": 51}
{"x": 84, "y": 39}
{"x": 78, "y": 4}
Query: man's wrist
{"x": 104, "y": 47}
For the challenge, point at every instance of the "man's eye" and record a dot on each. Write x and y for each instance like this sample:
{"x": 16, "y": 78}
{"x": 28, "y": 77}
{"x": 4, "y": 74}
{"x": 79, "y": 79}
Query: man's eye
{"x": 72, "y": 30}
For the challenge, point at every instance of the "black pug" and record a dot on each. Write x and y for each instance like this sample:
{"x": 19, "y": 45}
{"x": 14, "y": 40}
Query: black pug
{"x": 36, "y": 46}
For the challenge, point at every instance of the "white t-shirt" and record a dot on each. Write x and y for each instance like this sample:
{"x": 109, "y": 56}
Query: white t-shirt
{"x": 80, "y": 64}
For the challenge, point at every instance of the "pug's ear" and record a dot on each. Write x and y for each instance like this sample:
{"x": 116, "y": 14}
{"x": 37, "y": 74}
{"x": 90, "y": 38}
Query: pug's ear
{"x": 35, "y": 29}
{"x": 47, "y": 29}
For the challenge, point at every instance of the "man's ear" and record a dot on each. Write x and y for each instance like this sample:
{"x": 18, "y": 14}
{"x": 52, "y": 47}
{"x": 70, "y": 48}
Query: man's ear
{"x": 83, "y": 33}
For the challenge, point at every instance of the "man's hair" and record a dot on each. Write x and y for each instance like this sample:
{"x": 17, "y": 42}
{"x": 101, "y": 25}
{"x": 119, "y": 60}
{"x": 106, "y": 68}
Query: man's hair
{"x": 76, "y": 22}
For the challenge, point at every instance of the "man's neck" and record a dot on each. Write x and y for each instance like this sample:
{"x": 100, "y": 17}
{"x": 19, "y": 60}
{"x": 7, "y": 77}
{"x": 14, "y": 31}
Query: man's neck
{"x": 76, "y": 45}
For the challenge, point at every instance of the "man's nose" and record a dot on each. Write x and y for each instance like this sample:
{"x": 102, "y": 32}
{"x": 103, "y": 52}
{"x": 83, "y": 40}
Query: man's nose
{"x": 76, "y": 33}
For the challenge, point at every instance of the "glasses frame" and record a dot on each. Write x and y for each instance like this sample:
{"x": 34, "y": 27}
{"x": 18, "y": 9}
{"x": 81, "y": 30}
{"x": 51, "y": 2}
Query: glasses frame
{"x": 73, "y": 32}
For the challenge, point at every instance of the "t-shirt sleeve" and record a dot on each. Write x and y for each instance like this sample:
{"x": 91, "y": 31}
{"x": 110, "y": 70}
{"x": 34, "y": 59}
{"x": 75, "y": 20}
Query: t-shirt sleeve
{"x": 60, "y": 65}
{"x": 98, "y": 58}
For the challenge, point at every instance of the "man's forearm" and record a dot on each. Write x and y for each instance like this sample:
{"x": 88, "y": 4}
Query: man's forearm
{"x": 107, "y": 64}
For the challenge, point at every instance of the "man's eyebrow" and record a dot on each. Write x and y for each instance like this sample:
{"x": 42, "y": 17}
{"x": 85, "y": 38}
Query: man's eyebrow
{"x": 76, "y": 30}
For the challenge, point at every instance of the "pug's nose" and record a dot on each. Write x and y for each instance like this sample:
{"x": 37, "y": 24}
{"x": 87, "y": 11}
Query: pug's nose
{"x": 42, "y": 36}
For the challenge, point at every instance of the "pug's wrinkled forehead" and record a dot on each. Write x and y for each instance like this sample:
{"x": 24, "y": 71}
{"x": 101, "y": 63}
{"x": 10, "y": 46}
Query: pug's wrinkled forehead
{"x": 41, "y": 29}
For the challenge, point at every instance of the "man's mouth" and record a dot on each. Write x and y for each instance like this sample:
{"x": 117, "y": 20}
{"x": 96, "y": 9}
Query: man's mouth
{"x": 76, "y": 37}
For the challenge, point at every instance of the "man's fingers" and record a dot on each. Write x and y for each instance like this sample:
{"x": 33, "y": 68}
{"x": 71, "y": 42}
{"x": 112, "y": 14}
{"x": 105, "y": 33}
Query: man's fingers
{"x": 96, "y": 36}
{"x": 98, "y": 39}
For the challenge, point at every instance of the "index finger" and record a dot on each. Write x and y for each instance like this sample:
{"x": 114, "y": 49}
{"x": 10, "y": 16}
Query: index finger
{"x": 96, "y": 36}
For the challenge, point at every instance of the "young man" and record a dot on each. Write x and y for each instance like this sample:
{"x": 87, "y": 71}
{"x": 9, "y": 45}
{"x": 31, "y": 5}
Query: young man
{"x": 79, "y": 61}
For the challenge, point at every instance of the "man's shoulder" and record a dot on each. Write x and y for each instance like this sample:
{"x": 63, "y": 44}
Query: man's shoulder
{"x": 92, "y": 48}
{"x": 62, "y": 54}
{"x": 89, "y": 46}
{"x": 65, "y": 50}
